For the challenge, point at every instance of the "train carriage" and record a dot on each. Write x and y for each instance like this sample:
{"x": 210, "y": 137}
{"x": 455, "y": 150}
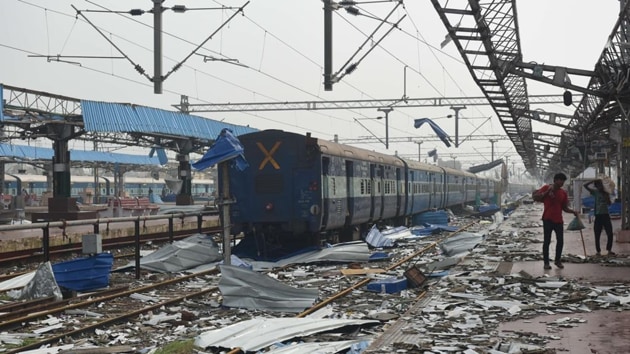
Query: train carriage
{"x": 301, "y": 188}
{"x": 425, "y": 187}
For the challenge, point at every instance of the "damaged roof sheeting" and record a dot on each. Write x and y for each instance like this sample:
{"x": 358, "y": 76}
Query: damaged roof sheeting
{"x": 316, "y": 347}
{"x": 460, "y": 243}
{"x": 181, "y": 255}
{"x": 345, "y": 252}
{"x": 260, "y": 333}
{"x": 243, "y": 288}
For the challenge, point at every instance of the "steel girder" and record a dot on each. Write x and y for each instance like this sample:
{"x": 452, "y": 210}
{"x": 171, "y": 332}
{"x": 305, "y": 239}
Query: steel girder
{"x": 406, "y": 102}
{"x": 486, "y": 36}
{"x": 596, "y": 113}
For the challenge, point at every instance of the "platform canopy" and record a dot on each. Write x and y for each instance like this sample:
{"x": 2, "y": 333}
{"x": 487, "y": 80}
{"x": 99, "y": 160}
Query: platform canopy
{"x": 28, "y": 114}
{"x": 80, "y": 158}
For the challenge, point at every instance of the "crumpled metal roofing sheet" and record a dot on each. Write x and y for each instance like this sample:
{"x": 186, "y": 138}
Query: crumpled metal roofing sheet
{"x": 244, "y": 288}
{"x": 315, "y": 347}
{"x": 357, "y": 251}
{"x": 180, "y": 255}
{"x": 118, "y": 117}
{"x": 259, "y": 333}
{"x": 39, "y": 153}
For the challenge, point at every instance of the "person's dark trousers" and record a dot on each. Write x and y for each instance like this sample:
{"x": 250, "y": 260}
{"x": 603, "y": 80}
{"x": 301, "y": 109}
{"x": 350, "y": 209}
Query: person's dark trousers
{"x": 602, "y": 221}
{"x": 558, "y": 228}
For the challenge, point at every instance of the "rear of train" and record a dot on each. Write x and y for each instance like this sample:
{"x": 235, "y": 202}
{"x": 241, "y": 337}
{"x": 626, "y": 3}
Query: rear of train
{"x": 278, "y": 197}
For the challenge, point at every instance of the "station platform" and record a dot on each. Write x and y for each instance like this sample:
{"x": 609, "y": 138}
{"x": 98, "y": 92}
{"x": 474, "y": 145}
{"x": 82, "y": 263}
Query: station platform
{"x": 571, "y": 318}
{"x": 604, "y": 331}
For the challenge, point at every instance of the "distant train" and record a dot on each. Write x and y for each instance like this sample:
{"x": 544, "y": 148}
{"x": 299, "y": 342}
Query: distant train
{"x": 36, "y": 185}
{"x": 299, "y": 188}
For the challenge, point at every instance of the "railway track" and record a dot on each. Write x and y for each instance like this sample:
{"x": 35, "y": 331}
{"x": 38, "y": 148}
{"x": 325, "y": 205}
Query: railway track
{"x": 47, "y": 240}
{"x": 162, "y": 307}
{"x": 62, "y": 251}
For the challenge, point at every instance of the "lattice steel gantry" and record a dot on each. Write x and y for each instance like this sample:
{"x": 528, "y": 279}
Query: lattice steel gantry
{"x": 486, "y": 35}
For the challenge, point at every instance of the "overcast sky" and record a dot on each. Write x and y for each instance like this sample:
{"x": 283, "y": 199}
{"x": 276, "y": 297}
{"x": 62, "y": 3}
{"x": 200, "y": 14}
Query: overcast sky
{"x": 281, "y": 44}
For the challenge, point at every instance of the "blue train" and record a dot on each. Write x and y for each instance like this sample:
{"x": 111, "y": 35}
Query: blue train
{"x": 299, "y": 189}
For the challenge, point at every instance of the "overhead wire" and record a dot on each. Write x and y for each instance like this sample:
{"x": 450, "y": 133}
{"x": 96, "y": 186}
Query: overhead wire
{"x": 200, "y": 72}
{"x": 210, "y": 75}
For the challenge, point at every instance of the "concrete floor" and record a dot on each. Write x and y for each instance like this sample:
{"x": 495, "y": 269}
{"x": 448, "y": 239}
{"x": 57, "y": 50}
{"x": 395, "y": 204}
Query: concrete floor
{"x": 605, "y": 331}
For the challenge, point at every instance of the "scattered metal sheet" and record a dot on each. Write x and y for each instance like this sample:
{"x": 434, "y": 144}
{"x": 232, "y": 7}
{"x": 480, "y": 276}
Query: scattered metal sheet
{"x": 17, "y": 282}
{"x": 362, "y": 271}
{"x": 461, "y": 243}
{"x": 397, "y": 233}
{"x": 315, "y": 348}
{"x": 442, "y": 264}
{"x": 376, "y": 239}
{"x": 180, "y": 255}
{"x": 244, "y": 288}
{"x": 49, "y": 350}
{"x": 344, "y": 252}
{"x": 43, "y": 284}
{"x": 260, "y": 333}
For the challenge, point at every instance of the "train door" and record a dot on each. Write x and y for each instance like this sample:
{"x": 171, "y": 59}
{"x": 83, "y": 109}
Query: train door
{"x": 434, "y": 185}
{"x": 400, "y": 187}
{"x": 380, "y": 192}
{"x": 411, "y": 192}
{"x": 350, "y": 191}
{"x": 325, "y": 190}
{"x": 441, "y": 188}
{"x": 373, "y": 194}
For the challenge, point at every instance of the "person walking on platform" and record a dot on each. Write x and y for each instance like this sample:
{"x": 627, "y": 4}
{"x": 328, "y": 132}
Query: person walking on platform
{"x": 555, "y": 200}
{"x": 602, "y": 216}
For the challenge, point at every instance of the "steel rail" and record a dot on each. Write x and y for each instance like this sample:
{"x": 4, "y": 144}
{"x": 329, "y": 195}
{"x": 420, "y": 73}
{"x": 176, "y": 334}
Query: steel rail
{"x": 365, "y": 281}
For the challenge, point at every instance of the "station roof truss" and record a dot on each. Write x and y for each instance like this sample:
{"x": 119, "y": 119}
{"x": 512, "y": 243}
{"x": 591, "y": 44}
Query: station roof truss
{"x": 28, "y": 114}
{"x": 597, "y": 112}
{"x": 487, "y": 35}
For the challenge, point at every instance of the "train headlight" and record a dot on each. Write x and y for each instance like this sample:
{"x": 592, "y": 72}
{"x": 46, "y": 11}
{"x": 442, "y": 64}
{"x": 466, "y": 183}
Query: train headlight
{"x": 269, "y": 207}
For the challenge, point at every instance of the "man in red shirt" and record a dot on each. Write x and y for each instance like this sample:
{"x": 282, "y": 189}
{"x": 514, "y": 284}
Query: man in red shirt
{"x": 556, "y": 200}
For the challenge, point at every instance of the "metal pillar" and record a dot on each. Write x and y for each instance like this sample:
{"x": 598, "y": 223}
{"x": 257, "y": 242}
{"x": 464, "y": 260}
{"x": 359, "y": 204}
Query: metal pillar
{"x": 386, "y": 110}
{"x": 225, "y": 197}
{"x": 61, "y": 169}
{"x": 157, "y": 45}
{"x": 457, "y": 109}
{"x": 625, "y": 168}
{"x": 624, "y": 149}
{"x": 492, "y": 141}
{"x": 328, "y": 38}
{"x": 184, "y": 197}
{"x": 419, "y": 150}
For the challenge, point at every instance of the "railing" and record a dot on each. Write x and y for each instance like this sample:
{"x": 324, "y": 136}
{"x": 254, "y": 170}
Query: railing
{"x": 63, "y": 224}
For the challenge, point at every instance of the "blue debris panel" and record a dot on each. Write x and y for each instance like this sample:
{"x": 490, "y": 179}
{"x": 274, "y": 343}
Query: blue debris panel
{"x": 84, "y": 274}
